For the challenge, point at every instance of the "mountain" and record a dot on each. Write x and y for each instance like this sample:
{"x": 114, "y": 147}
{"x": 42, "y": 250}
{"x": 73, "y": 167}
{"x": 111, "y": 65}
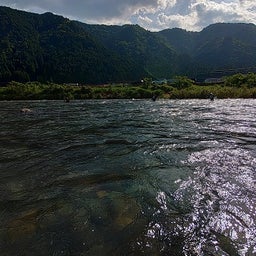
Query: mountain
{"x": 181, "y": 40}
{"x": 49, "y": 47}
{"x": 227, "y": 46}
{"x": 219, "y": 49}
{"x": 144, "y": 48}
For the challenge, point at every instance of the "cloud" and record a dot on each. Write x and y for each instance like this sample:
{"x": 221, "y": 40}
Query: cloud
{"x": 197, "y": 14}
{"x": 85, "y": 9}
{"x": 151, "y": 14}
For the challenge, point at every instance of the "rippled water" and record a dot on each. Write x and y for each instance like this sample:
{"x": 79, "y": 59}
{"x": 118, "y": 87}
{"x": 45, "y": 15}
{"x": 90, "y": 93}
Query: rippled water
{"x": 123, "y": 177}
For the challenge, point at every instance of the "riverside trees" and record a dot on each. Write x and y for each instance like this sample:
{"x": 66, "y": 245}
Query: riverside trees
{"x": 236, "y": 86}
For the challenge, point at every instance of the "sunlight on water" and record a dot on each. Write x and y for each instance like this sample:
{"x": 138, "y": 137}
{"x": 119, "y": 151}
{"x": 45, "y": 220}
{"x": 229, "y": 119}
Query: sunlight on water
{"x": 223, "y": 184}
{"x": 128, "y": 177}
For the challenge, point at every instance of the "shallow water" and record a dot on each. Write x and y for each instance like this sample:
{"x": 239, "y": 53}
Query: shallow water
{"x": 128, "y": 177}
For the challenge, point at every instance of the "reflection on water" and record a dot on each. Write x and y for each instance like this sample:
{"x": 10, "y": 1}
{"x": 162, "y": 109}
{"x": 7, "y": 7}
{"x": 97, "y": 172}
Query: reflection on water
{"x": 122, "y": 177}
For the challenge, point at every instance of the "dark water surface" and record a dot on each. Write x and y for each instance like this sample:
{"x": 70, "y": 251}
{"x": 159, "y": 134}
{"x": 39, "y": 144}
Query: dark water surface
{"x": 123, "y": 177}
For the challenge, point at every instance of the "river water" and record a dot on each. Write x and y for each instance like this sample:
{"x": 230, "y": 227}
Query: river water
{"x": 128, "y": 177}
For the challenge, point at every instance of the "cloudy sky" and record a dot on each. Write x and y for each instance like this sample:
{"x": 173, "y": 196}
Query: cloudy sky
{"x": 154, "y": 15}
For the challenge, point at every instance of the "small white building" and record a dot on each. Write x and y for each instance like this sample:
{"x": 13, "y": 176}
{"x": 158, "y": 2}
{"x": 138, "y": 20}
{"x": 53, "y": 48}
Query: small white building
{"x": 160, "y": 81}
{"x": 214, "y": 80}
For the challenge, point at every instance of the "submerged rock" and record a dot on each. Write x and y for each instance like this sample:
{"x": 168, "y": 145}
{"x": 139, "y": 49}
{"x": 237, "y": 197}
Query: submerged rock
{"x": 102, "y": 193}
{"x": 125, "y": 211}
{"x": 226, "y": 244}
{"x": 25, "y": 224}
{"x": 25, "y": 110}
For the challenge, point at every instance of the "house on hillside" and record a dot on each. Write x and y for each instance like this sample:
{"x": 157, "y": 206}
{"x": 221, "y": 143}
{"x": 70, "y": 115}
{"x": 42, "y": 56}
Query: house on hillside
{"x": 160, "y": 81}
{"x": 214, "y": 80}
{"x": 72, "y": 84}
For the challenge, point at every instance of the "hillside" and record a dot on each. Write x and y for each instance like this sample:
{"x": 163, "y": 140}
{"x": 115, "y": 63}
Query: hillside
{"x": 219, "y": 49}
{"x": 49, "y": 47}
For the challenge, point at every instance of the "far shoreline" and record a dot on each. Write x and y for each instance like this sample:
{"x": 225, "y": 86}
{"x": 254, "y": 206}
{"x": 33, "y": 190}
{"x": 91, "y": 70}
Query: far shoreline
{"x": 239, "y": 86}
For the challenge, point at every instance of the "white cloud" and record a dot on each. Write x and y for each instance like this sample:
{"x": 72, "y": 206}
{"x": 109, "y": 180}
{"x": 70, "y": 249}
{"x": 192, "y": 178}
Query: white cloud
{"x": 145, "y": 22}
{"x": 177, "y": 20}
{"x": 197, "y": 14}
{"x": 151, "y": 14}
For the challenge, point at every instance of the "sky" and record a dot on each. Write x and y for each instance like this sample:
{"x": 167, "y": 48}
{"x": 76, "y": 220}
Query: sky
{"x": 153, "y": 15}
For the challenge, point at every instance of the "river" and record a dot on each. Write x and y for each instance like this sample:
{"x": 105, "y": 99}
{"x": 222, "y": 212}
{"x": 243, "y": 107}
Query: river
{"x": 128, "y": 177}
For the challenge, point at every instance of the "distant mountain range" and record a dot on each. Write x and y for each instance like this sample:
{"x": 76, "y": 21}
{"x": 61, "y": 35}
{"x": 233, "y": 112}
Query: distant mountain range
{"x": 52, "y": 48}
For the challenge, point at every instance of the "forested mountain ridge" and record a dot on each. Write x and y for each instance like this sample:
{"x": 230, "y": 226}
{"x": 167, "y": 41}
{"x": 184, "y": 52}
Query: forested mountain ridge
{"x": 49, "y": 47}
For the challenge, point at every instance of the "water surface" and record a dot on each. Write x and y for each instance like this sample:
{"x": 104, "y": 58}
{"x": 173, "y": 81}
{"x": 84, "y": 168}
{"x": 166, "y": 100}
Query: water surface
{"x": 128, "y": 177}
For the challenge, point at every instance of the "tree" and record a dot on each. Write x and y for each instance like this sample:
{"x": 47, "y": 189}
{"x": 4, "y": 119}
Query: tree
{"x": 147, "y": 81}
{"x": 181, "y": 82}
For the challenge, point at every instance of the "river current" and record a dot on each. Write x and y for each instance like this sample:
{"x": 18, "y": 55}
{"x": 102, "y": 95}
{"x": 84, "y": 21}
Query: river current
{"x": 128, "y": 177}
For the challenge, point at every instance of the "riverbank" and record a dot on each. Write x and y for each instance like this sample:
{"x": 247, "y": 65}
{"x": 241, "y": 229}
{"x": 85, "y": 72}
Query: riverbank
{"x": 238, "y": 86}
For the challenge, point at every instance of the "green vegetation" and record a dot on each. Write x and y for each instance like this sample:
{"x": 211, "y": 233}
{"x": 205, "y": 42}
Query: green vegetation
{"x": 52, "y": 49}
{"x": 236, "y": 86}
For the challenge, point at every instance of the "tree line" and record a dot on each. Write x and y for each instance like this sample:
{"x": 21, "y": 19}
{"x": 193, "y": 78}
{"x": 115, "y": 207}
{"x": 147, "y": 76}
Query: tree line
{"x": 181, "y": 87}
